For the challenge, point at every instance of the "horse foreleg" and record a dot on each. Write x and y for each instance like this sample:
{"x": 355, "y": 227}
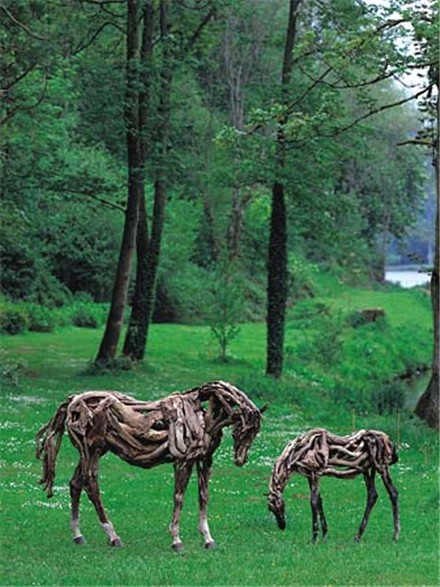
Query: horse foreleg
{"x": 182, "y": 473}
{"x": 371, "y": 500}
{"x": 394, "y": 498}
{"x": 92, "y": 488}
{"x": 314, "y": 504}
{"x": 203, "y": 473}
{"x": 76, "y": 485}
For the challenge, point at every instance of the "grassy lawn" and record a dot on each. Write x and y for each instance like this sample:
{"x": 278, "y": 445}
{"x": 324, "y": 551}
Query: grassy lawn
{"x": 36, "y": 545}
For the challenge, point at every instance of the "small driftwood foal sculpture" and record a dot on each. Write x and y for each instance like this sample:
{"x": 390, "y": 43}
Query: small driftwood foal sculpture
{"x": 318, "y": 453}
{"x": 177, "y": 429}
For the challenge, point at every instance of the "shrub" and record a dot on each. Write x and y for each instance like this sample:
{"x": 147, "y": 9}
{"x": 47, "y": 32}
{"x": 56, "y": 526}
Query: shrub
{"x": 40, "y": 318}
{"x": 309, "y": 309}
{"x": 87, "y": 315}
{"x": 13, "y": 319}
{"x": 366, "y": 316}
{"x": 224, "y": 303}
{"x": 302, "y": 282}
{"x": 389, "y": 398}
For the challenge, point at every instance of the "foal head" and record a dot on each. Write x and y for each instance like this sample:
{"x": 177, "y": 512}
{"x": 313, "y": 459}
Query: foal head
{"x": 276, "y": 506}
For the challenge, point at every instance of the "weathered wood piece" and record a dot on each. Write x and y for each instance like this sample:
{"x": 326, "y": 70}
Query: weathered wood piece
{"x": 183, "y": 428}
{"x": 318, "y": 453}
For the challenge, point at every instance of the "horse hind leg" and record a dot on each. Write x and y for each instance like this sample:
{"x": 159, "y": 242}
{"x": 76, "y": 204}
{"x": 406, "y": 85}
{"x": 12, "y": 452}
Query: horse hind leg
{"x": 92, "y": 489}
{"x": 371, "y": 500}
{"x": 394, "y": 498}
{"x": 322, "y": 519}
{"x": 76, "y": 486}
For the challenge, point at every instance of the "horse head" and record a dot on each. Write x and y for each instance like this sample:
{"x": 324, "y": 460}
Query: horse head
{"x": 239, "y": 411}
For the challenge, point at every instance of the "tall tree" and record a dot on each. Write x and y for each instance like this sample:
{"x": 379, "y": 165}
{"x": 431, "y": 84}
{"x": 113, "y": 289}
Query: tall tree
{"x": 148, "y": 247}
{"x": 277, "y": 254}
{"x": 426, "y": 26}
{"x": 108, "y": 347}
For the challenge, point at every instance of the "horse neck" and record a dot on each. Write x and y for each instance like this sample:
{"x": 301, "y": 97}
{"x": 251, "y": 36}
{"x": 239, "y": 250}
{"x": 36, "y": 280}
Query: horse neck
{"x": 279, "y": 478}
{"x": 219, "y": 415}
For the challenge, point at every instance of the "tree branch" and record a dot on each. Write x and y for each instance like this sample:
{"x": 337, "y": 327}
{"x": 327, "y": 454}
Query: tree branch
{"x": 94, "y": 36}
{"x": 380, "y": 109}
{"x": 26, "y": 29}
{"x": 196, "y": 34}
{"x": 98, "y": 199}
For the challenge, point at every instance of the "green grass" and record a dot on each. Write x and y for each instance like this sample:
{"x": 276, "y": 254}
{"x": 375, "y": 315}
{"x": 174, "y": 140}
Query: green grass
{"x": 36, "y": 546}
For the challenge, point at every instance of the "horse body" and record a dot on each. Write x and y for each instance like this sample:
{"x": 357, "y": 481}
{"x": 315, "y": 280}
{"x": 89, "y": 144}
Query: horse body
{"x": 319, "y": 453}
{"x": 183, "y": 428}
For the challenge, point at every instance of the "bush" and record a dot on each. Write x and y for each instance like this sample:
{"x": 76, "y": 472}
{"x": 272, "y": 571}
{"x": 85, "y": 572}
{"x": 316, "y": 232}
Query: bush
{"x": 309, "y": 309}
{"x": 390, "y": 398}
{"x": 224, "y": 303}
{"x": 366, "y": 316}
{"x": 88, "y": 315}
{"x": 302, "y": 273}
{"x": 10, "y": 370}
{"x": 13, "y": 319}
{"x": 40, "y": 318}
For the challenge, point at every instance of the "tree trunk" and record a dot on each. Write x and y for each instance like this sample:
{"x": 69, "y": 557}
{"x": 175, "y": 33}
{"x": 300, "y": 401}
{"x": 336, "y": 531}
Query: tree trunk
{"x": 149, "y": 250}
{"x": 277, "y": 282}
{"x": 428, "y": 405}
{"x": 107, "y": 349}
{"x": 277, "y": 254}
{"x": 148, "y": 262}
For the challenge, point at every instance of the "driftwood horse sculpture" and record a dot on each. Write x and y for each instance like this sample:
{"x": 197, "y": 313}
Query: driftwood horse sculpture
{"x": 184, "y": 429}
{"x": 318, "y": 453}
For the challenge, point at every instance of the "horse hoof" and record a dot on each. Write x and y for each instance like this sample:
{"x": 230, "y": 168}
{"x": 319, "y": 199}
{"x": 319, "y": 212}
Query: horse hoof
{"x": 210, "y": 545}
{"x": 177, "y": 547}
{"x": 116, "y": 542}
{"x": 357, "y": 539}
{"x": 79, "y": 540}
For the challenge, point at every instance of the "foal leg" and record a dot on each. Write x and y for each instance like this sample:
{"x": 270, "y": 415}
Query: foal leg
{"x": 371, "y": 500}
{"x": 203, "y": 473}
{"x": 324, "y": 527}
{"x": 76, "y": 485}
{"x": 394, "y": 497}
{"x": 92, "y": 488}
{"x": 182, "y": 473}
{"x": 314, "y": 503}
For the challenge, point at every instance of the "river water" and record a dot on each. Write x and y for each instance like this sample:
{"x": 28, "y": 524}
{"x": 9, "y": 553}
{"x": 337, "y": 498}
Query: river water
{"x": 410, "y": 277}
{"x": 407, "y": 277}
{"x": 415, "y": 387}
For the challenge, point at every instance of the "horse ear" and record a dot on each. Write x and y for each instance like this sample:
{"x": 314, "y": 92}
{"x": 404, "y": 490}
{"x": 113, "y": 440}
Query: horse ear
{"x": 264, "y": 408}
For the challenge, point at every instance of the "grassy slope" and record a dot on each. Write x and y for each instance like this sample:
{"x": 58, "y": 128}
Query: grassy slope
{"x": 36, "y": 545}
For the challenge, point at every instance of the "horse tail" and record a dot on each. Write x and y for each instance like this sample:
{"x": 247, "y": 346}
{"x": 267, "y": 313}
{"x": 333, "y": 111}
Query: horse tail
{"x": 48, "y": 442}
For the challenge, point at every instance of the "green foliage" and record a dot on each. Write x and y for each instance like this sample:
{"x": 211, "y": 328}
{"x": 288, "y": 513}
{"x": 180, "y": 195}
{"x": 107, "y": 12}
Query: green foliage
{"x": 223, "y": 306}
{"x": 307, "y": 310}
{"x": 302, "y": 277}
{"x": 323, "y": 341}
{"x": 11, "y": 370}
{"x": 360, "y": 318}
{"x": 390, "y": 398}
{"x": 13, "y": 319}
{"x": 88, "y": 314}
{"x": 40, "y": 318}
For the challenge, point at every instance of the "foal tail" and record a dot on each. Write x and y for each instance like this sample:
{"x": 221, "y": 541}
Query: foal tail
{"x": 48, "y": 442}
